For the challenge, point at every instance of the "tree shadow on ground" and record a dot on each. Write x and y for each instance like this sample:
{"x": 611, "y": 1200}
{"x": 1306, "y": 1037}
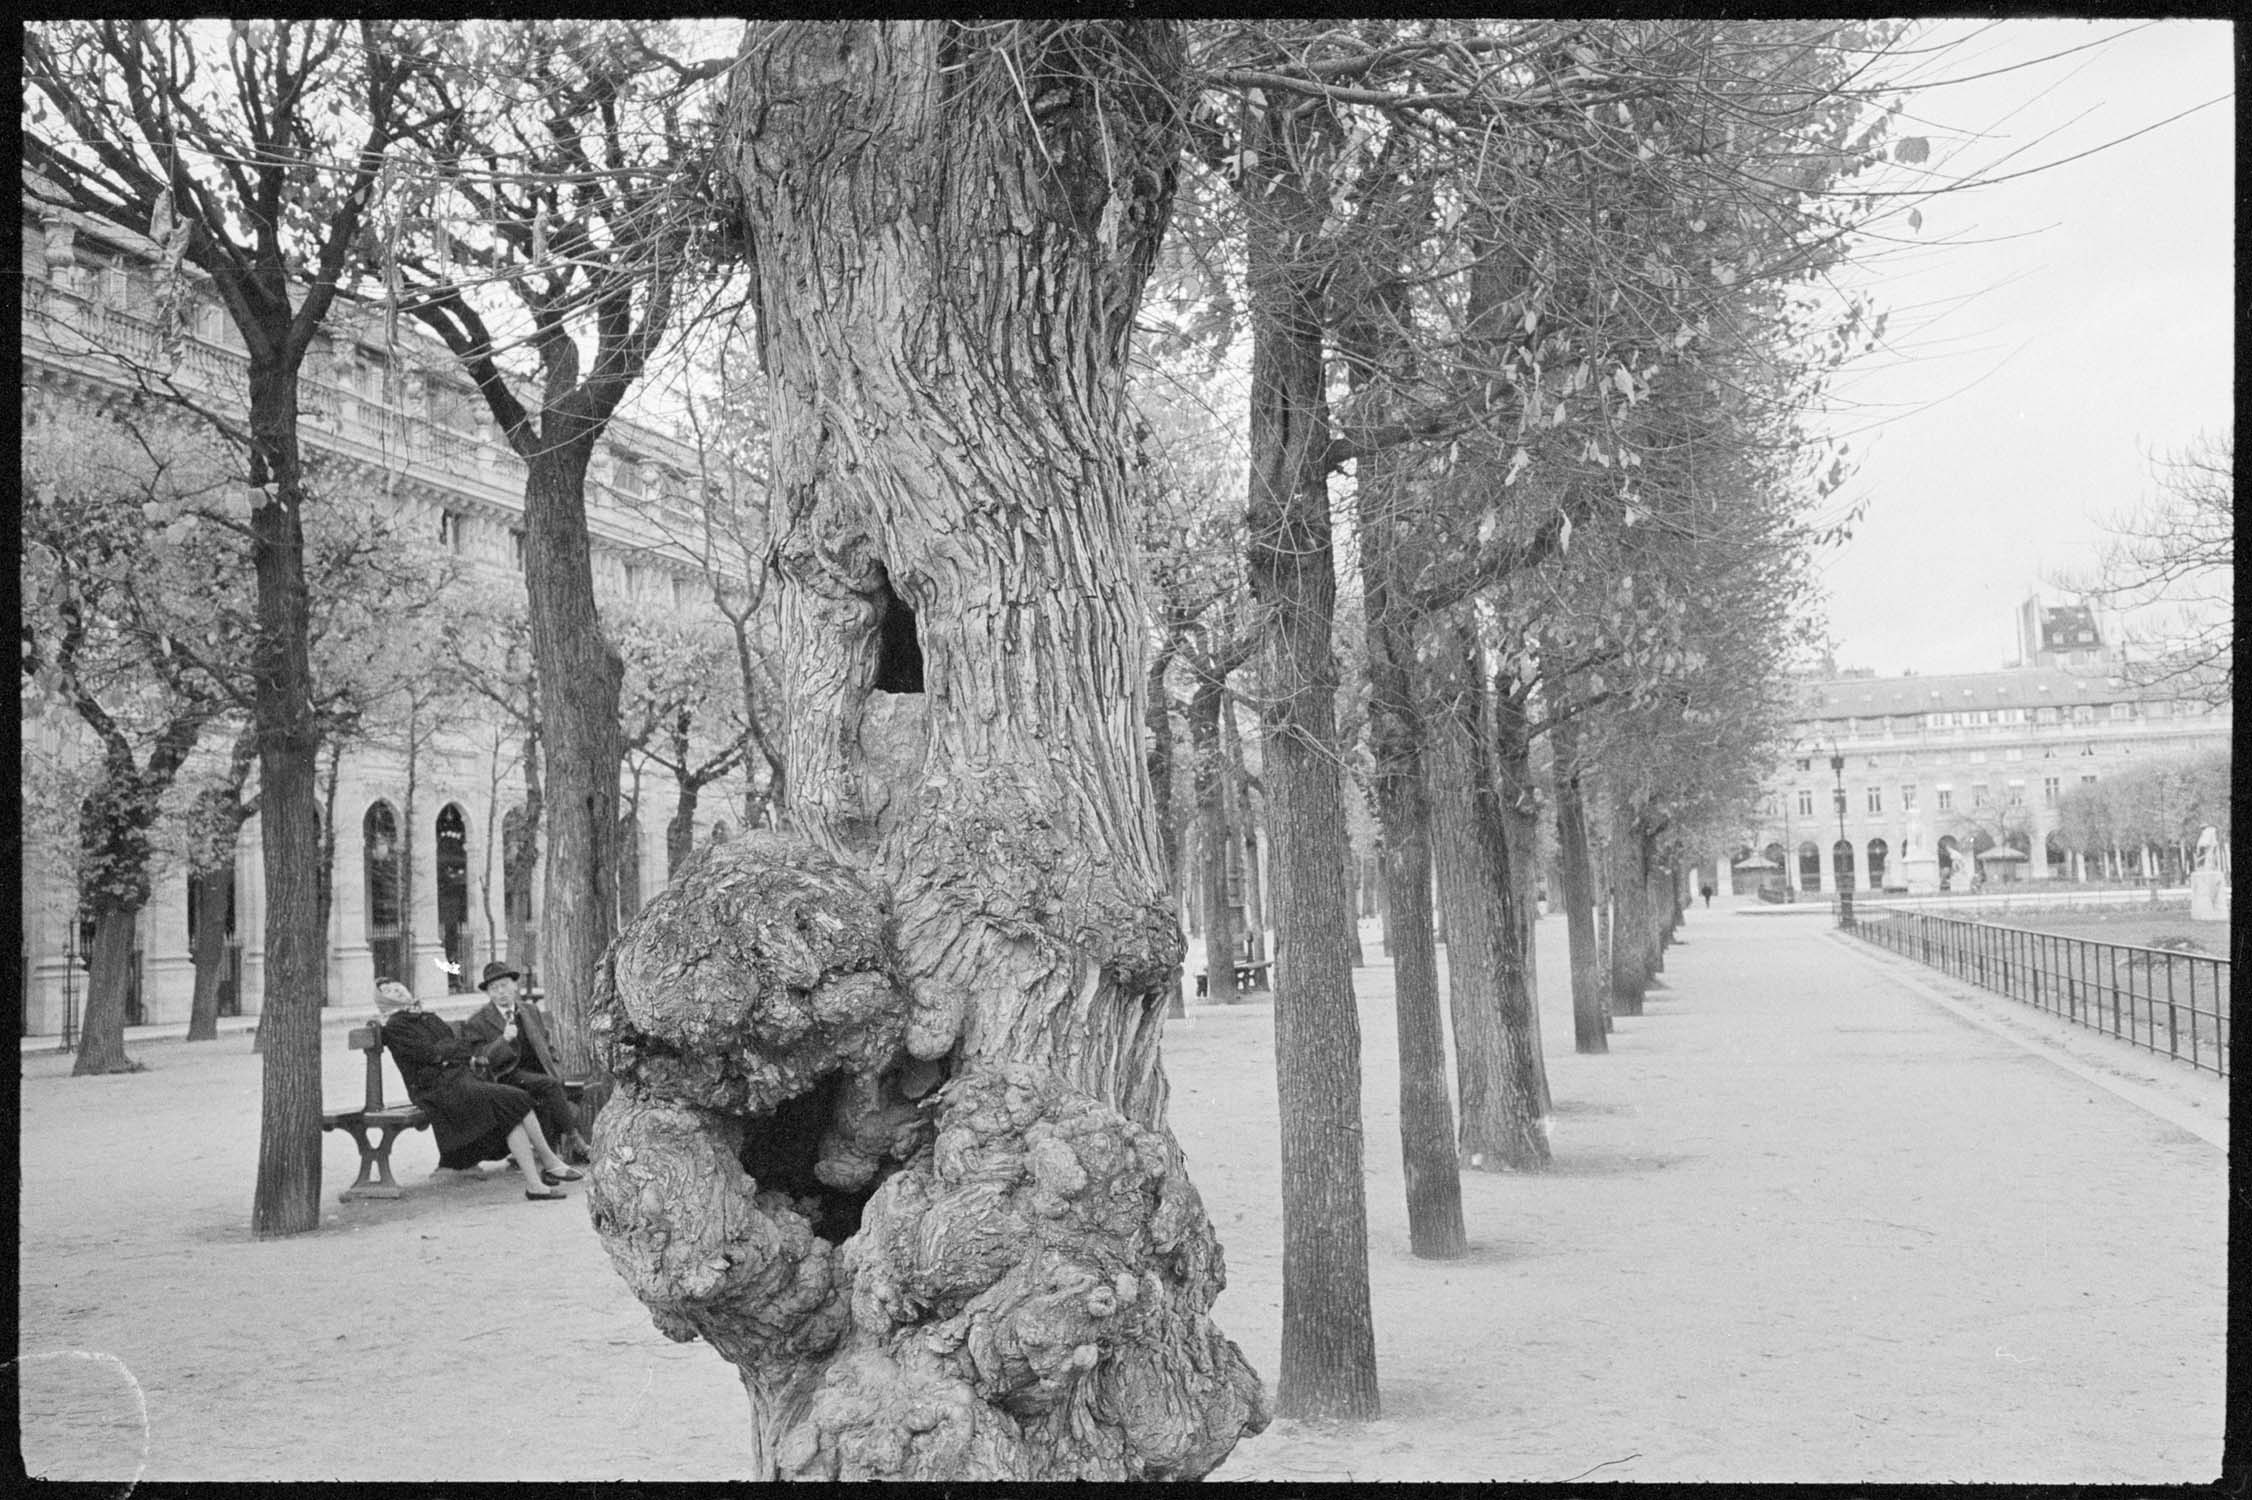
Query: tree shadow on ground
{"x": 1608, "y": 1164}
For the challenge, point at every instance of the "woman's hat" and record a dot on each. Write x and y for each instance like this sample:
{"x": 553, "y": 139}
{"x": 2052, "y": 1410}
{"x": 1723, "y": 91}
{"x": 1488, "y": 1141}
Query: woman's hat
{"x": 498, "y": 969}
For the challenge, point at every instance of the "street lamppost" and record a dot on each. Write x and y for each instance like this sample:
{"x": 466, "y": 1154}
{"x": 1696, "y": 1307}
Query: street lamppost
{"x": 1844, "y": 867}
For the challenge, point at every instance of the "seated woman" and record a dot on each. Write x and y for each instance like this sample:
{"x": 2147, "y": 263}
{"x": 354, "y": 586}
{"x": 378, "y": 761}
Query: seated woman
{"x": 474, "y": 1120}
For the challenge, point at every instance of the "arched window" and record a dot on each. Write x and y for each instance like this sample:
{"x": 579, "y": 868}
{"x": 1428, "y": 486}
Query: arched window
{"x": 1809, "y": 866}
{"x": 453, "y": 896}
{"x": 1878, "y": 849}
{"x": 1841, "y": 862}
{"x": 380, "y": 847}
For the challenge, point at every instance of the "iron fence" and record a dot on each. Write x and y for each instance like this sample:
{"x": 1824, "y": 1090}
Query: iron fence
{"x": 2156, "y": 998}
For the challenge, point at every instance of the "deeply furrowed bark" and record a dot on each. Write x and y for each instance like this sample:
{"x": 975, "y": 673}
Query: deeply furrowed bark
{"x": 1160, "y": 718}
{"x": 890, "y": 1130}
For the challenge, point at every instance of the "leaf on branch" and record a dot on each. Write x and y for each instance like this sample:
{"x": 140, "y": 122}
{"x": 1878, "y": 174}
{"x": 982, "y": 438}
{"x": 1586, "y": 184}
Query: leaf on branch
{"x": 1624, "y": 383}
{"x": 1915, "y": 218}
{"x": 1911, "y": 149}
{"x": 1517, "y": 462}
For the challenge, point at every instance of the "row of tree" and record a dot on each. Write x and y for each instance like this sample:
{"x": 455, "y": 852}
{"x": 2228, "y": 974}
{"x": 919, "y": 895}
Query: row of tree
{"x": 1541, "y": 294}
{"x": 2163, "y": 804}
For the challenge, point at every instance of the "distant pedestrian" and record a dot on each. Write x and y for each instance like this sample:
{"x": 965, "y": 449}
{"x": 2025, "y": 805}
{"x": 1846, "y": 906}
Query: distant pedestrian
{"x": 1706, "y": 892}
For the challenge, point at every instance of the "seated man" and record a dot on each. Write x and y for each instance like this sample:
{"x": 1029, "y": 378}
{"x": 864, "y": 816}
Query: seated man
{"x": 474, "y": 1119}
{"x": 512, "y": 1042}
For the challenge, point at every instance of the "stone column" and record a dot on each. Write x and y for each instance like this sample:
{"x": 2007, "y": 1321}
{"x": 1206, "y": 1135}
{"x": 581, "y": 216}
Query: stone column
{"x": 250, "y": 914}
{"x": 46, "y": 907}
{"x": 351, "y": 961}
{"x": 426, "y": 974}
{"x": 167, "y": 968}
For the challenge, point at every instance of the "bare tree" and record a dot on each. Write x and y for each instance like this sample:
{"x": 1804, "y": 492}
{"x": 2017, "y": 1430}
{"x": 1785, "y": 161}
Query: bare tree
{"x": 2174, "y": 560}
{"x": 250, "y": 178}
{"x": 573, "y": 154}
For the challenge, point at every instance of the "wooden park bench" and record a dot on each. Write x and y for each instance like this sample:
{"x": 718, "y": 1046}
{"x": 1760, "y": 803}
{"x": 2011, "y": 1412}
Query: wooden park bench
{"x": 1249, "y": 975}
{"x": 375, "y": 1179}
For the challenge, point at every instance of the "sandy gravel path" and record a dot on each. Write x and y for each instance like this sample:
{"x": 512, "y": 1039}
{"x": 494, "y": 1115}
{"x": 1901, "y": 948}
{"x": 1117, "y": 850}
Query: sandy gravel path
{"x": 1807, "y": 1222}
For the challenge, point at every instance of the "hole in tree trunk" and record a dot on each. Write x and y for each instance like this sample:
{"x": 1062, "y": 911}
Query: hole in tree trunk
{"x": 899, "y": 652}
{"x": 780, "y": 1151}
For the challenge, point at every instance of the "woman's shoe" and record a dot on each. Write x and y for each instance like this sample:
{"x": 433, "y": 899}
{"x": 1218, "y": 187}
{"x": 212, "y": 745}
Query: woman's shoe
{"x": 545, "y": 1197}
{"x": 557, "y": 1179}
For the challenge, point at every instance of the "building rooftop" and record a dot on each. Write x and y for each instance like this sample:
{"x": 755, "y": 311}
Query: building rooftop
{"x": 2016, "y": 687}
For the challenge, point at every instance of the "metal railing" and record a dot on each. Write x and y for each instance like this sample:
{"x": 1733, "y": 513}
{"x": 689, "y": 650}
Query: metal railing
{"x": 2156, "y": 998}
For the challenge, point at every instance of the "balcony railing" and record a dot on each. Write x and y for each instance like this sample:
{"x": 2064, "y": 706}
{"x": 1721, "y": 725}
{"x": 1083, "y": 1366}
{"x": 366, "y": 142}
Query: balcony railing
{"x": 2155, "y": 998}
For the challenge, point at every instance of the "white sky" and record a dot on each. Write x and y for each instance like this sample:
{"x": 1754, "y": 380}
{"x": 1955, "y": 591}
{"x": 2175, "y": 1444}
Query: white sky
{"x": 2049, "y": 332}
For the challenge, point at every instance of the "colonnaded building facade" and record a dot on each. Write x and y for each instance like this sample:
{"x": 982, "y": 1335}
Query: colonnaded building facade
{"x": 402, "y": 425}
{"x": 1960, "y": 764}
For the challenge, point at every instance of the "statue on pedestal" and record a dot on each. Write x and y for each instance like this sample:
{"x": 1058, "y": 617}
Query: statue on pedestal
{"x": 2208, "y": 892}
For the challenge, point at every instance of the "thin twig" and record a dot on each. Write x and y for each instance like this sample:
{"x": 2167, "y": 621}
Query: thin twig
{"x": 1582, "y": 1474}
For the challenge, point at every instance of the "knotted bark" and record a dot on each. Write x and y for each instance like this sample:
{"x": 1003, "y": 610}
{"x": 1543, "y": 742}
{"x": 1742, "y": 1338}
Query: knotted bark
{"x": 919, "y": 1276}
{"x": 890, "y": 1132}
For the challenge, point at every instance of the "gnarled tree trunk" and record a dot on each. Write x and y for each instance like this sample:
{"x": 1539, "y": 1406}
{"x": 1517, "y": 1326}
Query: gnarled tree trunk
{"x": 890, "y": 1128}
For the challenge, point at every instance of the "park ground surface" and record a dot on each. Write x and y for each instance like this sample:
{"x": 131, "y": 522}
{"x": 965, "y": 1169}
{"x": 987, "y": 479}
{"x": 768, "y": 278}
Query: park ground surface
{"x": 1819, "y": 1214}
